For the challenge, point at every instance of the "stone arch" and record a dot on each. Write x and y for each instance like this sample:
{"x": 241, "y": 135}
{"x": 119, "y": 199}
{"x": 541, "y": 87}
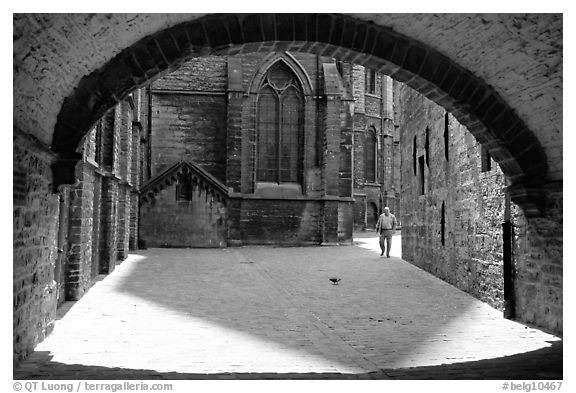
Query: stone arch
{"x": 371, "y": 214}
{"x": 472, "y": 101}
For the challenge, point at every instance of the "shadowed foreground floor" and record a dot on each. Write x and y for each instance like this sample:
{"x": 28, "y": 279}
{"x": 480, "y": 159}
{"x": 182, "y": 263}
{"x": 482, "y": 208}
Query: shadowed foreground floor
{"x": 272, "y": 313}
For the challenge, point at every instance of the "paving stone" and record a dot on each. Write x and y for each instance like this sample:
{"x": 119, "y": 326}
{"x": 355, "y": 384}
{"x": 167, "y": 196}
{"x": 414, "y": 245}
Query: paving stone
{"x": 201, "y": 314}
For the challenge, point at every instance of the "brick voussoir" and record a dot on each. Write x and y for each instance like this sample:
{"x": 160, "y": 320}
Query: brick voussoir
{"x": 251, "y": 28}
{"x": 506, "y": 122}
{"x": 467, "y": 91}
{"x": 451, "y": 78}
{"x": 143, "y": 58}
{"x": 234, "y": 29}
{"x": 430, "y": 65}
{"x": 495, "y": 111}
{"x": 324, "y": 27}
{"x": 400, "y": 50}
{"x": 113, "y": 85}
{"x": 159, "y": 61}
{"x": 216, "y": 33}
{"x": 300, "y": 23}
{"x": 463, "y": 80}
{"x": 268, "y": 24}
{"x": 196, "y": 34}
{"x": 285, "y": 27}
{"x": 348, "y": 33}
{"x": 402, "y": 75}
{"x": 180, "y": 37}
{"x": 415, "y": 59}
{"x": 384, "y": 45}
{"x": 360, "y": 38}
{"x": 169, "y": 48}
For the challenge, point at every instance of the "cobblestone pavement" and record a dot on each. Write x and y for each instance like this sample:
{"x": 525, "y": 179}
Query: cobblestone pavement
{"x": 269, "y": 313}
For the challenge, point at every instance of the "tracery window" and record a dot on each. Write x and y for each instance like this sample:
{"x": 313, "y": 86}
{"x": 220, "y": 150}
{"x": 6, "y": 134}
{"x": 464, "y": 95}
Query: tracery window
{"x": 370, "y": 81}
{"x": 280, "y": 123}
{"x": 370, "y": 159}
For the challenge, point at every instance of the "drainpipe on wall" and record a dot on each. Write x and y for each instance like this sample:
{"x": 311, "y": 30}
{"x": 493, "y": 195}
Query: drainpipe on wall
{"x": 149, "y": 134}
{"x": 508, "y": 266}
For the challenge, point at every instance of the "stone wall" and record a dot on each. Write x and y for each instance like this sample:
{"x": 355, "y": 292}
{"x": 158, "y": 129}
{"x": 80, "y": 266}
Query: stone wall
{"x": 454, "y": 207}
{"x": 373, "y": 112}
{"x": 214, "y": 126}
{"x": 63, "y": 240}
{"x": 79, "y": 256}
{"x": 539, "y": 265}
{"x": 35, "y": 230}
{"x": 167, "y": 221}
{"x": 451, "y": 222}
{"x": 189, "y": 128}
{"x": 278, "y": 222}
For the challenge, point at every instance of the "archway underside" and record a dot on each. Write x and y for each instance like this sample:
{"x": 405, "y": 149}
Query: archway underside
{"x": 475, "y": 104}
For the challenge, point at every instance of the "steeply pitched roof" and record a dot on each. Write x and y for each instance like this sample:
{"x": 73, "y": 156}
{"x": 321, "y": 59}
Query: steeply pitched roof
{"x": 200, "y": 177}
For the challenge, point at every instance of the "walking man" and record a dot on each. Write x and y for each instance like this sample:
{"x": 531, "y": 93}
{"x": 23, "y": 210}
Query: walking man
{"x": 385, "y": 226}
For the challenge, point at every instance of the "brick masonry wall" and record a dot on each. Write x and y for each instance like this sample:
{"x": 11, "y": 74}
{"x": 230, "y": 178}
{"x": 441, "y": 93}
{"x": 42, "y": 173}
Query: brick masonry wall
{"x": 96, "y": 210}
{"x": 539, "y": 265}
{"x": 216, "y": 128}
{"x": 474, "y": 211}
{"x": 123, "y": 219}
{"x": 168, "y": 222}
{"x": 197, "y": 74}
{"x": 35, "y": 227}
{"x": 374, "y": 110}
{"x": 109, "y": 225}
{"x": 134, "y": 221}
{"x": 79, "y": 256}
{"x": 189, "y": 128}
{"x": 87, "y": 228}
{"x": 471, "y": 258}
{"x": 283, "y": 222}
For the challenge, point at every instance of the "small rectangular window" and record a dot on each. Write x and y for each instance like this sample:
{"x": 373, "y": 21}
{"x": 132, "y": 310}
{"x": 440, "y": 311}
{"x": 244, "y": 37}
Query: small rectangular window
{"x": 421, "y": 179}
{"x": 340, "y": 67}
{"x": 370, "y": 81}
{"x": 446, "y": 136}
{"x": 443, "y": 224}
{"x": 427, "y": 146}
{"x": 486, "y": 160}
{"x": 414, "y": 152}
{"x": 184, "y": 189}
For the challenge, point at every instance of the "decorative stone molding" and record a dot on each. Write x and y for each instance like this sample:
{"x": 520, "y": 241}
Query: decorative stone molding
{"x": 200, "y": 178}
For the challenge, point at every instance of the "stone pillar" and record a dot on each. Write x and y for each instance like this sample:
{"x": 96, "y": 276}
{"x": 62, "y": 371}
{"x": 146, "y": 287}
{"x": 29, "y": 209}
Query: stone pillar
{"x": 346, "y": 150}
{"x": 78, "y": 273}
{"x": 330, "y": 223}
{"x": 96, "y": 221}
{"x": 134, "y": 214}
{"x": 330, "y": 170}
{"x": 109, "y": 228}
{"x": 135, "y": 177}
{"x": 234, "y": 125}
{"x": 123, "y": 222}
{"x": 234, "y": 222}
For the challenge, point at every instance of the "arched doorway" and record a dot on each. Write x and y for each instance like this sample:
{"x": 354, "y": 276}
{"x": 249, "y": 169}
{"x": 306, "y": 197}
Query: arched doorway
{"x": 70, "y": 69}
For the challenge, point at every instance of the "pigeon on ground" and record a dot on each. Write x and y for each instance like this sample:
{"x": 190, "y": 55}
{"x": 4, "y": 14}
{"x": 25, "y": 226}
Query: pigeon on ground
{"x": 335, "y": 281}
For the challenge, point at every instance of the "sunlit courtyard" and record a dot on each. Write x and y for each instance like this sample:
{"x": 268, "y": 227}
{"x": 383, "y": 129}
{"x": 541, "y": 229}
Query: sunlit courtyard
{"x": 264, "y": 309}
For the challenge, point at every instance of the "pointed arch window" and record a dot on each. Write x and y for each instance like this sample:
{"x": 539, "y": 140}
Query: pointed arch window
{"x": 370, "y": 159}
{"x": 279, "y": 127}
